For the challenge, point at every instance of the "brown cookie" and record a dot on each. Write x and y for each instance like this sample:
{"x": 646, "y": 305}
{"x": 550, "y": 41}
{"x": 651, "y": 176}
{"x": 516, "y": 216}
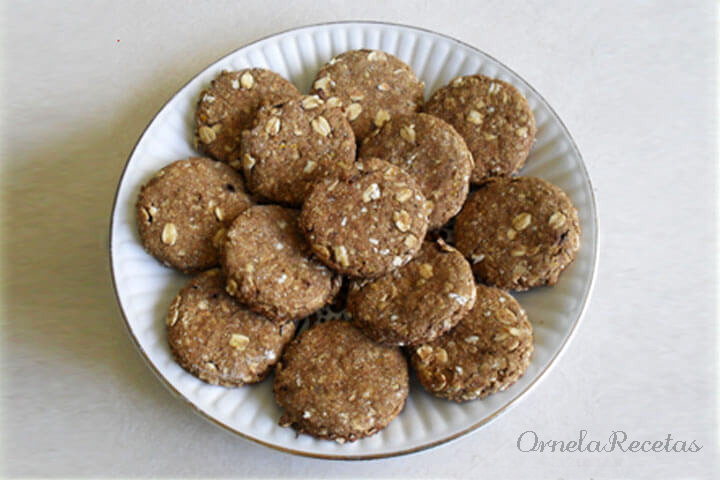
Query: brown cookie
{"x": 371, "y": 86}
{"x": 269, "y": 265}
{"x": 367, "y": 224}
{"x": 417, "y": 302}
{"x": 493, "y": 117}
{"x": 518, "y": 232}
{"x": 218, "y": 340}
{"x": 292, "y": 145}
{"x": 229, "y": 106}
{"x": 182, "y": 209}
{"x": 335, "y": 383}
{"x": 431, "y": 151}
{"x": 486, "y": 352}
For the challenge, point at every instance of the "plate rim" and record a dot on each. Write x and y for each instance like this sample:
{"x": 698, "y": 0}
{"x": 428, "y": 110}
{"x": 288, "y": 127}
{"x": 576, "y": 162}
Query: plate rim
{"x": 485, "y": 421}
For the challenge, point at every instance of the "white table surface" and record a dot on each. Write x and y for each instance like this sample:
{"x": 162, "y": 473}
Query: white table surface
{"x": 635, "y": 82}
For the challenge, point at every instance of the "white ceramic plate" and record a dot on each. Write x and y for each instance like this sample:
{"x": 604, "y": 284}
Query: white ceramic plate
{"x": 145, "y": 289}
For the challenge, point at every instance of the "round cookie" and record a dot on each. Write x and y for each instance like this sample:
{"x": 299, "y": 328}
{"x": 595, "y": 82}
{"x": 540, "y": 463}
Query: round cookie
{"x": 229, "y": 106}
{"x": 417, "y": 302}
{"x": 486, "y": 352}
{"x": 292, "y": 145}
{"x": 518, "y": 232}
{"x": 371, "y": 86}
{"x": 218, "y": 340}
{"x": 493, "y": 117}
{"x": 335, "y": 383}
{"x": 431, "y": 151}
{"x": 183, "y": 208}
{"x": 367, "y": 224}
{"x": 269, "y": 265}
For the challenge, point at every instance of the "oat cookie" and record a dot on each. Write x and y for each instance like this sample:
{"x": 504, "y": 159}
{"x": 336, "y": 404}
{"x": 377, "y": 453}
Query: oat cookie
{"x": 292, "y": 145}
{"x": 486, "y": 352}
{"x": 229, "y": 106}
{"x": 269, "y": 266}
{"x": 218, "y": 340}
{"x": 493, "y": 117}
{"x": 518, "y": 233}
{"x": 183, "y": 208}
{"x": 335, "y": 383}
{"x": 417, "y": 302}
{"x": 431, "y": 151}
{"x": 371, "y": 86}
{"x": 368, "y": 224}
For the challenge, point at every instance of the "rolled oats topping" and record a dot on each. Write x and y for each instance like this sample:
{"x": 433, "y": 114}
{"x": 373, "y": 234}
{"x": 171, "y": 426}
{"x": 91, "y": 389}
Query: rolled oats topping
{"x": 270, "y": 267}
{"x": 486, "y": 352}
{"x": 311, "y": 143}
{"x": 335, "y": 383}
{"x": 357, "y": 225}
{"x": 220, "y": 341}
{"x": 518, "y": 232}
{"x": 493, "y": 117}
{"x": 372, "y": 85}
{"x": 177, "y": 212}
{"x": 409, "y": 306}
{"x": 432, "y": 152}
{"x": 237, "y": 96}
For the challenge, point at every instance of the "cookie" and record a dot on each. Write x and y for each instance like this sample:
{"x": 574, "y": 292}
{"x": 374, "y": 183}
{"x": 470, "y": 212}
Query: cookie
{"x": 367, "y": 224}
{"x": 431, "y": 151}
{"x": 486, "y": 352}
{"x": 371, "y": 86}
{"x": 229, "y": 106}
{"x": 218, "y": 340}
{"x": 335, "y": 383}
{"x": 269, "y": 266}
{"x": 292, "y": 145}
{"x": 518, "y": 233}
{"x": 493, "y": 117}
{"x": 183, "y": 208}
{"x": 417, "y": 302}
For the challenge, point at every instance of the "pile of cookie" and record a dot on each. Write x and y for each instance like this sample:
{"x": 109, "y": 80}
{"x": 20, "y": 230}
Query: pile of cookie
{"x": 344, "y": 197}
